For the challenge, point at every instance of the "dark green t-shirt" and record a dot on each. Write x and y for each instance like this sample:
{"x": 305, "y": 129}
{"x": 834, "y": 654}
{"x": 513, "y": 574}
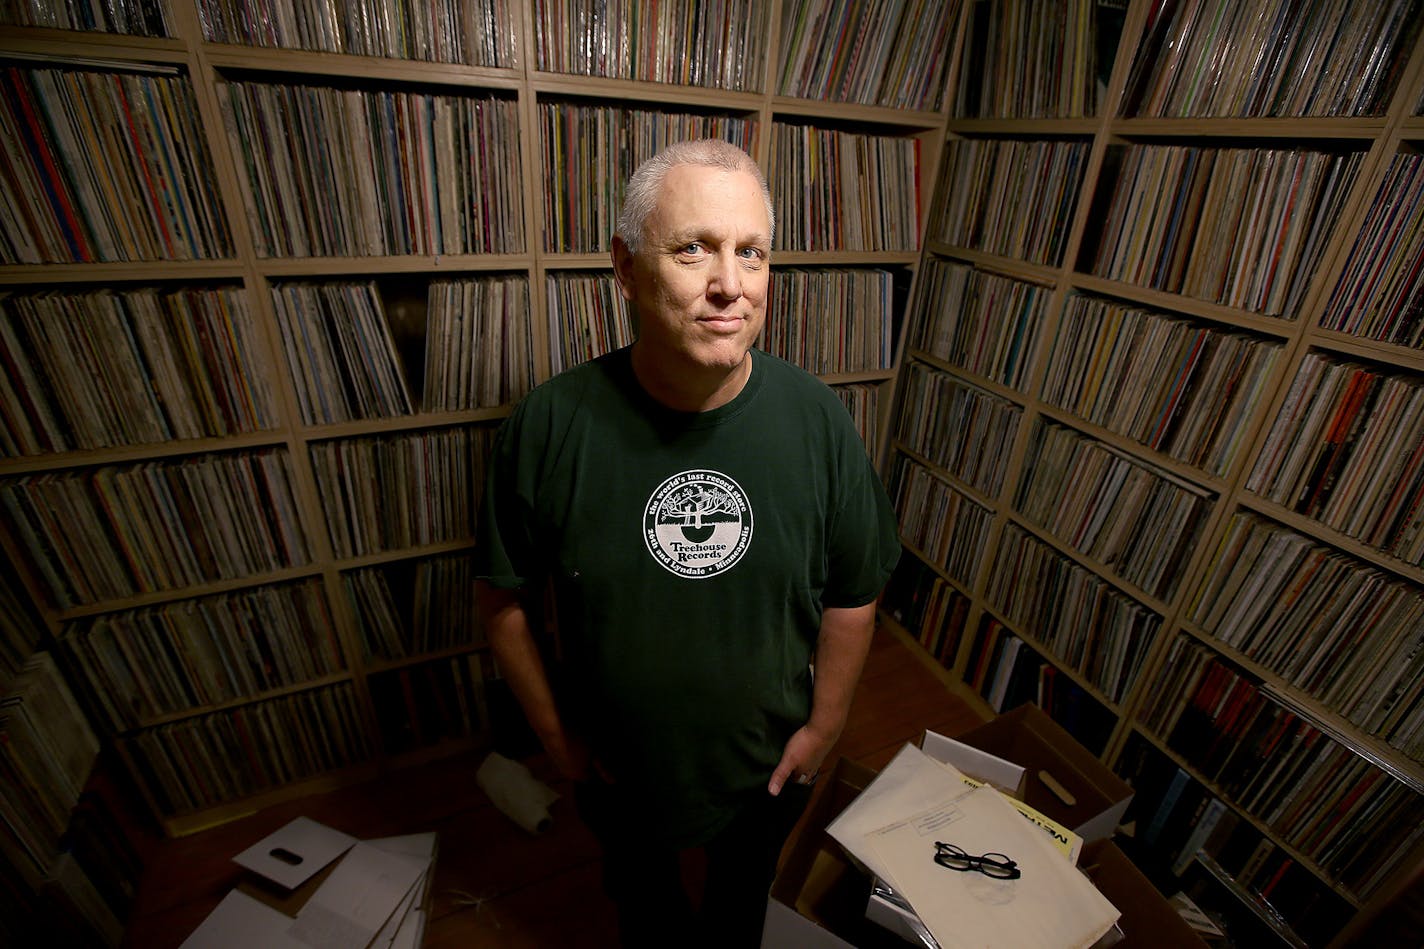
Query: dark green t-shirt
{"x": 690, "y": 555}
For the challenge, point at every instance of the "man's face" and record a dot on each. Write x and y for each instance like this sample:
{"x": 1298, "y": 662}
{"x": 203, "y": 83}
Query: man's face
{"x": 699, "y": 281}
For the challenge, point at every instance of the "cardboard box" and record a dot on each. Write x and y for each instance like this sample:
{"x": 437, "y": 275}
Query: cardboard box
{"x": 818, "y": 897}
{"x": 1148, "y": 920}
{"x": 1026, "y": 736}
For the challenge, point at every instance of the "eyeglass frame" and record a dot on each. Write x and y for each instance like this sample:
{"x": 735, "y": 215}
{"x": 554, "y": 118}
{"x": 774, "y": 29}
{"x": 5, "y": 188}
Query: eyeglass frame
{"x": 996, "y": 866}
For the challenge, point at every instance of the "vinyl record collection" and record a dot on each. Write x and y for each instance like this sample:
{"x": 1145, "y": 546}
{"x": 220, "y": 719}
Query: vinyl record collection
{"x": 1305, "y": 611}
{"x": 718, "y": 44}
{"x": 957, "y": 426}
{"x": 46, "y": 749}
{"x": 1009, "y": 197}
{"x": 1030, "y": 60}
{"x": 831, "y": 321}
{"x": 142, "y": 665}
{"x": 1273, "y": 58}
{"x": 862, "y": 401}
{"x": 479, "y": 33}
{"x": 470, "y": 340}
{"x": 330, "y": 172}
{"x": 340, "y": 352}
{"x": 834, "y": 190}
{"x": 391, "y": 492}
{"x": 948, "y": 528}
{"x": 1380, "y": 293}
{"x": 892, "y": 53}
{"x": 120, "y": 530}
{"x": 418, "y": 706}
{"x": 1008, "y": 671}
{"x": 479, "y": 346}
{"x": 104, "y": 166}
{"x": 410, "y": 608}
{"x": 1347, "y": 449}
{"x": 1132, "y": 518}
{"x": 1242, "y": 227}
{"x": 236, "y": 752}
{"x": 587, "y": 317}
{"x": 1181, "y": 387}
{"x": 104, "y": 368}
{"x": 1085, "y": 623}
{"x": 1322, "y": 801}
{"x": 127, "y": 17}
{"x": 931, "y": 607}
{"x": 981, "y": 322}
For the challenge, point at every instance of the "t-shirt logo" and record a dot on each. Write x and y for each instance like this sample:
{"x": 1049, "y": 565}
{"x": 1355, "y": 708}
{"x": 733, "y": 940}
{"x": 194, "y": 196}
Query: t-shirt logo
{"x": 698, "y": 523}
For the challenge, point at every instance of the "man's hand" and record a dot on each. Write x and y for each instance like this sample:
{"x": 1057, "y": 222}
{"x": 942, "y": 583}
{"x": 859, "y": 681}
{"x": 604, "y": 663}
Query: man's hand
{"x": 801, "y": 759}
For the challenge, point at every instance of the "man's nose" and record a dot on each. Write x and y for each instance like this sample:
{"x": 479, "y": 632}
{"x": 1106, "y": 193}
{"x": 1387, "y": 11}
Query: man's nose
{"x": 726, "y": 277}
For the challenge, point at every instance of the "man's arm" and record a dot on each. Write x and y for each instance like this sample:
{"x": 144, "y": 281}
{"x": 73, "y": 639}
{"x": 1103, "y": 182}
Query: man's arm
{"x": 512, "y": 642}
{"x": 841, "y": 648}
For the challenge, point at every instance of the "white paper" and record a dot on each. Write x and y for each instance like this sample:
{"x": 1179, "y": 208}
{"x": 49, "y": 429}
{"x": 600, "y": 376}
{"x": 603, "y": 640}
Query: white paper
{"x": 353, "y": 904}
{"x": 310, "y": 844}
{"x": 909, "y": 784}
{"x": 421, "y": 846}
{"x": 1050, "y": 906}
{"x": 241, "y": 922}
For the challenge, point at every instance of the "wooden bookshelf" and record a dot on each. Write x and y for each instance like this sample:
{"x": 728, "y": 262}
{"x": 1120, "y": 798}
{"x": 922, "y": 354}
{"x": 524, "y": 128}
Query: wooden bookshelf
{"x": 1163, "y": 320}
{"x": 309, "y": 142}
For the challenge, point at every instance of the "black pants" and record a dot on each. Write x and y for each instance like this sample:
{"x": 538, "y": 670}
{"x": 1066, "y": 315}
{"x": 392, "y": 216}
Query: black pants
{"x": 644, "y": 879}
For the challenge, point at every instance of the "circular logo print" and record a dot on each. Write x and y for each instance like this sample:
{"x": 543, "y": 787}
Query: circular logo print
{"x": 697, "y": 523}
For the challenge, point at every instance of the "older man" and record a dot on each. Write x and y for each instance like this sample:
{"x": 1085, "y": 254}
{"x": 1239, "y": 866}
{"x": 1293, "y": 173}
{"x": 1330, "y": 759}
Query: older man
{"x": 710, "y": 526}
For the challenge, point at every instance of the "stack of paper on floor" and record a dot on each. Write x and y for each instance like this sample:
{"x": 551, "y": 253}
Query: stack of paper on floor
{"x": 312, "y": 887}
{"x": 892, "y": 827}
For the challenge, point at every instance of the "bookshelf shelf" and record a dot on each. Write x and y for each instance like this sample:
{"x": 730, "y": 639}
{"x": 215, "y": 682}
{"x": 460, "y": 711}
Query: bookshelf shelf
{"x": 1175, "y": 302}
{"x": 157, "y": 720}
{"x": 1372, "y": 350}
{"x": 1322, "y": 717}
{"x": 61, "y": 461}
{"x": 186, "y": 823}
{"x": 1031, "y": 128}
{"x": 1263, "y": 828}
{"x": 902, "y": 119}
{"x": 344, "y": 66}
{"x": 386, "y": 665}
{"x": 37, "y": 45}
{"x": 158, "y": 597}
{"x": 1123, "y": 346}
{"x": 1038, "y": 646}
{"x": 1009, "y": 266}
{"x": 287, "y": 267}
{"x": 1413, "y": 573}
{"x": 990, "y": 385}
{"x": 969, "y": 490}
{"x": 635, "y": 92}
{"x": 403, "y": 553}
{"x": 1252, "y": 902}
{"x": 1297, "y": 129}
{"x": 19, "y": 275}
{"x": 401, "y": 423}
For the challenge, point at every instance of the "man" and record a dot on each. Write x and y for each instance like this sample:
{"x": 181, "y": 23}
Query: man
{"x": 709, "y": 523}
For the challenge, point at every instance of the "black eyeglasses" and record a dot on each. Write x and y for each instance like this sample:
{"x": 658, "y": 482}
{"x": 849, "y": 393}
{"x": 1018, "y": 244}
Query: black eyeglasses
{"x": 995, "y": 865}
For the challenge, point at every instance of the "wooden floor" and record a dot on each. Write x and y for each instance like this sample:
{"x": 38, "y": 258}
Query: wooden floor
{"x": 497, "y": 887}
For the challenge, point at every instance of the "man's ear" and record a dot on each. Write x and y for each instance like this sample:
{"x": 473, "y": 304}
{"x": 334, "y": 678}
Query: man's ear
{"x": 622, "y": 267}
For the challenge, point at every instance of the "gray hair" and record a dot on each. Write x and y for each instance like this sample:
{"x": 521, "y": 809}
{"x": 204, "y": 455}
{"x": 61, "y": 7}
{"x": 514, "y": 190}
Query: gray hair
{"x": 641, "y": 195}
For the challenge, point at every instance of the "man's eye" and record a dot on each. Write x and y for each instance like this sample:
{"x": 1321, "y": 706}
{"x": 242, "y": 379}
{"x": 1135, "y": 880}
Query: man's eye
{"x": 750, "y": 253}
{"x": 694, "y": 248}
